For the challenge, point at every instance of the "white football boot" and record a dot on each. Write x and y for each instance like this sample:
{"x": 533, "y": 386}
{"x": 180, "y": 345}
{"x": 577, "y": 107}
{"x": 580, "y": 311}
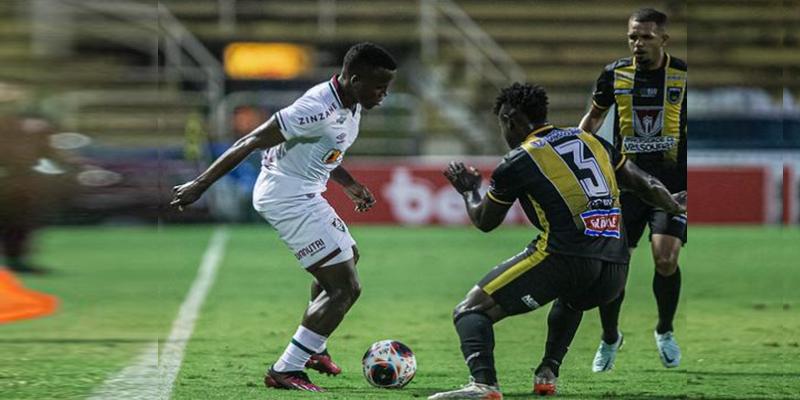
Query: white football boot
{"x": 472, "y": 390}
{"x": 668, "y": 349}
{"x": 606, "y": 355}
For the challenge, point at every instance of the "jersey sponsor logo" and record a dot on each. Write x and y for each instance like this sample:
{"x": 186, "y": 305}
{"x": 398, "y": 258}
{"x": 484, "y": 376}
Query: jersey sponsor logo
{"x": 674, "y": 94}
{"x": 647, "y": 92}
{"x": 632, "y": 144}
{"x": 332, "y": 156}
{"x": 602, "y": 223}
{"x": 338, "y": 224}
{"x": 313, "y": 248}
{"x": 648, "y": 121}
{"x": 340, "y": 138}
{"x": 603, "y": 204}
{"x": 341, "y": 119}
{"x": 307, "y": 119}
{"x": 530, "y": 302}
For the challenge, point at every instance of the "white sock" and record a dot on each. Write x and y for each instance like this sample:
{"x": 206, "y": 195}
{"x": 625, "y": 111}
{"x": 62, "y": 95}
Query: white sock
{"x": 304, "y": 343}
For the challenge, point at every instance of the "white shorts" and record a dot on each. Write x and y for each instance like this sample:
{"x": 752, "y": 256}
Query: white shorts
{"x": 310, "y": 228}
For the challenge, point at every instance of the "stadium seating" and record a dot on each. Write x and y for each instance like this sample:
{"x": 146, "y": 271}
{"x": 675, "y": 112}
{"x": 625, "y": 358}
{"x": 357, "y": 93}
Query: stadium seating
{"x": 560, "y": 45}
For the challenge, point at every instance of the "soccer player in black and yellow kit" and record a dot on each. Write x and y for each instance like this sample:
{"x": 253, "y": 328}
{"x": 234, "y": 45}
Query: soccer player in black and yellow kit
{"x": 649, "y": 91}
{"x": 567, "y": 183}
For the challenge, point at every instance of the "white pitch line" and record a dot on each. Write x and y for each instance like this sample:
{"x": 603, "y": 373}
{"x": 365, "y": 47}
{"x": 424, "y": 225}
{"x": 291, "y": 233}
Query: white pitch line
{"x": 152, "y": 376}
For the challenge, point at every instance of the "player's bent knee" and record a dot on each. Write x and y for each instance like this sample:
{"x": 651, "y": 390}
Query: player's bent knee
{"x": 355, "y": 290}
{"x": 477, "y": 300}
{"x": 666, "y": 265}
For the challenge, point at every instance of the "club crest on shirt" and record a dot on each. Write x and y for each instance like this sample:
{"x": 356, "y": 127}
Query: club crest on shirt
{"x": 647, "y": 121}
{"x": 338, "y": 224}
{"x": 674, "y": 94}
{"x": 332, "y": 156}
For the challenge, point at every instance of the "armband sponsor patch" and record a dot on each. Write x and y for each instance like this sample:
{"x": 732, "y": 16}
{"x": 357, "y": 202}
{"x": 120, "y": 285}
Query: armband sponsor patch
{"x": 605, "y": 223}
{"x": 633, "y": 144}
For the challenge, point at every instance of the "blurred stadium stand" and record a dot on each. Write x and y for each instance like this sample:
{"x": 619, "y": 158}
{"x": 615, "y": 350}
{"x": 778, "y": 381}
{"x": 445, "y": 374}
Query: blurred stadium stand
{"x": 147, "y": 82}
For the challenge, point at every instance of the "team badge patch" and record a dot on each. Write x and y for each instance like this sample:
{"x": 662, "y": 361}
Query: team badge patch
{"x": 605, "y": 223}
{"x": 674, "y": 94}
{"x": 332, "y": 156}
{"x": 339, "y": 224}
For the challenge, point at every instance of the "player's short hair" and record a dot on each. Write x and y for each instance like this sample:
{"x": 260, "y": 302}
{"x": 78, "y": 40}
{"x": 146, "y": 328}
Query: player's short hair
{"x": 650, "y": 15}
{"x": 368, "y": 55}
{"x": 528, "y": 98}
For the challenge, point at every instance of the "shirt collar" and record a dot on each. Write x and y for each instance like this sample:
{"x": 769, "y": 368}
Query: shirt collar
{"x": 541, "y": 129}
{"x": 337, "y": 92}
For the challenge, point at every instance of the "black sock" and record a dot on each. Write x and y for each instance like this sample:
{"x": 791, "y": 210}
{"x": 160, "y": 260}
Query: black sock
{"x": 609, "y": 319}
{"x": 477, "y": 344}
{"x": 562, "y": 323}
{"x": 667, "y": 290}
{"x": 548, "y": 363}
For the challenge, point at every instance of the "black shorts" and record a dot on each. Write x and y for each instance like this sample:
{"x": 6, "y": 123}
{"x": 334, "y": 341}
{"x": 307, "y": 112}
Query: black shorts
{"x": 532, "y": 279}
{"x": 636, "y": 214}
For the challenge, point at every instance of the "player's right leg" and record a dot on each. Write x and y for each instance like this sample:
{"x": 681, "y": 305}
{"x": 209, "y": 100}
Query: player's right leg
{"x": 595, "y": 282}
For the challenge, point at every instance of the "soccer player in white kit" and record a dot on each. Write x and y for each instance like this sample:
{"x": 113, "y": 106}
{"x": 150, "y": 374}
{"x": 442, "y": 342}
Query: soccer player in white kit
{"x": 304, "y": 145}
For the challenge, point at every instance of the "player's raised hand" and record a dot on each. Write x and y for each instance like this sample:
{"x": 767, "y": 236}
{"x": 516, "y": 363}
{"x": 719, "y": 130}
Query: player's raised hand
{"x": 361, "y": 196}
{"x": 464, "y": 179}
{"x": 185, "y": 194}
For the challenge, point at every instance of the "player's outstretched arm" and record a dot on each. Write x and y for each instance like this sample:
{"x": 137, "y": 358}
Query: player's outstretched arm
{"x": 484, "y": 213}
{"x": 263, "y": 137}
{"x": 355, "y": 190}
{"x": 650, "y": 189}
{"x": 593, "y": 119}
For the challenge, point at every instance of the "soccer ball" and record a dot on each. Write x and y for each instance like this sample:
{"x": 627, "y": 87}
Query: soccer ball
{"x": 389, "y": 364}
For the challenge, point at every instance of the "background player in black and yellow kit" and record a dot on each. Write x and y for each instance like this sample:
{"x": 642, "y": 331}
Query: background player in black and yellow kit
{"x": 649, "y": 91}
{"x": 566, "y": 181}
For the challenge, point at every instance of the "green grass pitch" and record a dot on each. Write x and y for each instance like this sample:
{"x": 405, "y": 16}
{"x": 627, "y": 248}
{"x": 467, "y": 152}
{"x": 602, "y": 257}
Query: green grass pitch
{"x": 120, "y": 288}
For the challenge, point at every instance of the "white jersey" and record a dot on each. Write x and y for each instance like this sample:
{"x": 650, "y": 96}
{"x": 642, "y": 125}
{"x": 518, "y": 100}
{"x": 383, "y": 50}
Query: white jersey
{"x": 318, "y": 132}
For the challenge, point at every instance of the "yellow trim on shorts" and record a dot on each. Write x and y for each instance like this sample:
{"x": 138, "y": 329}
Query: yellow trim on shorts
{"x": 515, "y": 271}
{"x": 496, "y": 200}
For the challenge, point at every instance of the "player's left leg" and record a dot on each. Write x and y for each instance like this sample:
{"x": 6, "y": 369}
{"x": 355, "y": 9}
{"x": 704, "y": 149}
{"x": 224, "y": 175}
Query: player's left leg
{"x": 474, "y": 318}
{"x": 667, "y": 238}
{"x": 521, "y": 284}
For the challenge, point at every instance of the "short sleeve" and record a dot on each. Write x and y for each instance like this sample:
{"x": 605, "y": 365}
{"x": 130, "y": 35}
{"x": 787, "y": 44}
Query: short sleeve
{"x": 603, "y": 96}
{"x": 301, "y": 119}
{"x": 505, "y": 187}
{"x": 617, "y": 158}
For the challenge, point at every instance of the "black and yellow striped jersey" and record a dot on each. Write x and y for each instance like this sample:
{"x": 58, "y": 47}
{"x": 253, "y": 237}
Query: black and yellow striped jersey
{"x": 564, "y": 178}
{"x": 650, "y": 115}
